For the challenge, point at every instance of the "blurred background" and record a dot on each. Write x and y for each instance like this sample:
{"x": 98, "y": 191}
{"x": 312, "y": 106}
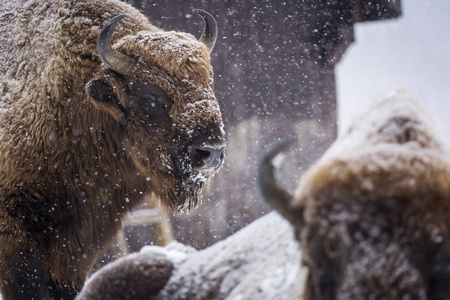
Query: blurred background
{"x": 410, "y": 52}
{"x": 299, "y": 69}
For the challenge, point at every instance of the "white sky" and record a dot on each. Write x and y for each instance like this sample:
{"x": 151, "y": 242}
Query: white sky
{"x": 412, "y": 52}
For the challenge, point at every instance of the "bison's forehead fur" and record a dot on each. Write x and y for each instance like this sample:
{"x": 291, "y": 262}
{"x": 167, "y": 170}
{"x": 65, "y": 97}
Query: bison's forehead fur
{"x": 391, "y": 151}
{"x": 387, "y": 177}
{"x": 180, "y": 54}
{"x": 390, "y": 159}
{"x": 181, "y": 65}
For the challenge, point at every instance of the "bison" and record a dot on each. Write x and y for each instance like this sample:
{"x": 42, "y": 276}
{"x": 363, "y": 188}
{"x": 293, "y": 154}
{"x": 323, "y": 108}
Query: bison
{"x": 373, "y": 214}
{"x": 98, "y": 108}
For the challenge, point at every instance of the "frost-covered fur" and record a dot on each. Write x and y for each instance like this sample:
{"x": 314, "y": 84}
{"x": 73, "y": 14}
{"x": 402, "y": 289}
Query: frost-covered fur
{"x": 262, "y": 261}
{"x": 78, "y": 148}
{"x": 374, "y": 212}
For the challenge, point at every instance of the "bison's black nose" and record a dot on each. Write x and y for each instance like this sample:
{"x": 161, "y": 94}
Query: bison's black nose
{"x": 209, "y": 157}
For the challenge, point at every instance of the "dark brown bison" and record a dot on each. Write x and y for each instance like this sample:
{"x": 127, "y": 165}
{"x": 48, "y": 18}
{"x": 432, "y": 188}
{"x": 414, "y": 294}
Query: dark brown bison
{"x": 96, "y": 110}
{"x": 373, "y": 214}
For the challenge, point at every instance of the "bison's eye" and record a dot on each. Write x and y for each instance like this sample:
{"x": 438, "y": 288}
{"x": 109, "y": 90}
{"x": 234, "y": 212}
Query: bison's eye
{"x": 152, "y": 98}
{"x": 152, "y": 102}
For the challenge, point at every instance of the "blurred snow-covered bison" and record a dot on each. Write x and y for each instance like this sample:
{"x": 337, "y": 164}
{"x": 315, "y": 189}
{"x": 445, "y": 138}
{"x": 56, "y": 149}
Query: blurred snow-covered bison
{"x": 97, "y": 109}
{"x": 373, "y": 214}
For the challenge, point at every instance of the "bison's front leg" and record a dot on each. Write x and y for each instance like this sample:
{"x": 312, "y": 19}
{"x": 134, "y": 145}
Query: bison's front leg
{"x": 22, "y": 275}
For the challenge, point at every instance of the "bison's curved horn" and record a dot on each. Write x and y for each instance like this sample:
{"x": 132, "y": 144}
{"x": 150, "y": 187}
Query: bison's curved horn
{"x": 209, "y": 35}
{"x": 117, "y": 61}
{"x": 274, "y": 194}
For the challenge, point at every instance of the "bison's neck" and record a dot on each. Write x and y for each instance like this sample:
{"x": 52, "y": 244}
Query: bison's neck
{"x": 96, "y": 160}
{"x": 62, "y": 147}
{"x": 91, "y": 183}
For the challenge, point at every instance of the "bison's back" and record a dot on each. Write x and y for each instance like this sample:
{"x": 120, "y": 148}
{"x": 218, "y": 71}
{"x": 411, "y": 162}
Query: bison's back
{"x": 48, "y": 48}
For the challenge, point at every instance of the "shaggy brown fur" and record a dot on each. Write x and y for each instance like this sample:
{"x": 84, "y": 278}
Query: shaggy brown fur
{"x": 373, "y": 214}
{"x": 80, "y": 144}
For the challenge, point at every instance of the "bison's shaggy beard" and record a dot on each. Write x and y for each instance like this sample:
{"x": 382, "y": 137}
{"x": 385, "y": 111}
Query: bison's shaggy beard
{"x": 181, "y": 187}
{"x": 179, "y": 192}
{"x": 189, "y": 189}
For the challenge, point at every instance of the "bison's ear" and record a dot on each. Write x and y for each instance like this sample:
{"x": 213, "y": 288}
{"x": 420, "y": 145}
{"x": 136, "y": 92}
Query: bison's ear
{"x": 103, "y": 96}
